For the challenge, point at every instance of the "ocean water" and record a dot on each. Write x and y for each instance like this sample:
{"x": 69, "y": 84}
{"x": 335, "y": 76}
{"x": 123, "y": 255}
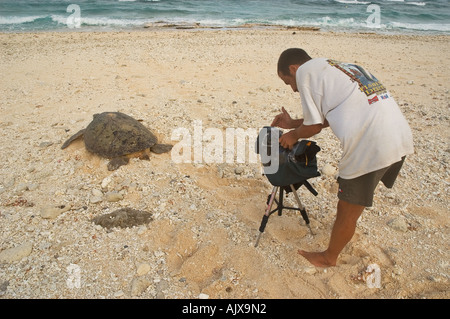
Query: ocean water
{"x": 384, "y": 16}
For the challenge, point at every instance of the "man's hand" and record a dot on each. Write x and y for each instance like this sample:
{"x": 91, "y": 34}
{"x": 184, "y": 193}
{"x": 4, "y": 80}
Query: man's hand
{"x": 282, "y": 120}
{"x": 288, "y": 139}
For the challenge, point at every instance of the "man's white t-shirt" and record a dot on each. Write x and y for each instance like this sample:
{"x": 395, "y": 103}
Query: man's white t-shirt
{"x": 366, "y": 119}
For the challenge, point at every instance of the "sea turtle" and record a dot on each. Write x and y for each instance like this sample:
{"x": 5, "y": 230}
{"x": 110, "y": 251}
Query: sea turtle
{"x": 119, "y": 137}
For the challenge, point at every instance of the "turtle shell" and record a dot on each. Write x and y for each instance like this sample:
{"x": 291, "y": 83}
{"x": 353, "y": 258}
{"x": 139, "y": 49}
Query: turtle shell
{"x": 113, "y": 134}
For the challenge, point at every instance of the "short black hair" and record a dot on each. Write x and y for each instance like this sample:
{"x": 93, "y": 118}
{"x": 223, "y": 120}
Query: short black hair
{"x": 291, "y": 56}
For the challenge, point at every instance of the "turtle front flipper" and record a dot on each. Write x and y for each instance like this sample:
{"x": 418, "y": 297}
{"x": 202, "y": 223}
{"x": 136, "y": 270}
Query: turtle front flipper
{"x": 73, "y": 138}
{"x": 116, "y": 162}
{"x": 161, "y": 148}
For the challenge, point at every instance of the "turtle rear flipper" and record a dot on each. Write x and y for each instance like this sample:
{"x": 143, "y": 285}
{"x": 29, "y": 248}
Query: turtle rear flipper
{"x": 73, "y": 138}
{"x": 161, "y": 148}
{"x": 116, "y": 162}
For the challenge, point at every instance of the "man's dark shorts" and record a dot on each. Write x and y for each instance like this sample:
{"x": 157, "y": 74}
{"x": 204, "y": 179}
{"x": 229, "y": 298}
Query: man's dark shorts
{"x": 360, "y": 190}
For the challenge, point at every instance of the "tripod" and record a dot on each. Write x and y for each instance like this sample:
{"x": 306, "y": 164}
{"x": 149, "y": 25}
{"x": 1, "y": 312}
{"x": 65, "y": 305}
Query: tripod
{"x": 271, "y": 199}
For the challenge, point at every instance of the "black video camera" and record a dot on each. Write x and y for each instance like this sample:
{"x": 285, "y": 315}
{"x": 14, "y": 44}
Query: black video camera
{"x": 283, "y": 166}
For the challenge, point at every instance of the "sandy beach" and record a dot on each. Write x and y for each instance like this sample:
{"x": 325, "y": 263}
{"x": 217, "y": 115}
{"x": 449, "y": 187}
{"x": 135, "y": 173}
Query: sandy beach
{"x": 206, "y": 215}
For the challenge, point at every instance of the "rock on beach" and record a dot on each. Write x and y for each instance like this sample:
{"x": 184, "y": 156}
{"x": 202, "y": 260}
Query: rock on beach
{"x": 54, "y": 211}
{"x": 16, "y": 253}
{"x": 124, "y": 217}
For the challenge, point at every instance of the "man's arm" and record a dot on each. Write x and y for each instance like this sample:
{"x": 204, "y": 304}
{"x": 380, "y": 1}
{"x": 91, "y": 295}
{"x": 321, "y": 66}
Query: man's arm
{"x": 297, "y": 123}
{"x": 284, "y": 120}
{"x": 288, "y": 139}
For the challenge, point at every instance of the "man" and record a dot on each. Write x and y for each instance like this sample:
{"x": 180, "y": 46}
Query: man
{"x": 375, "y": 137}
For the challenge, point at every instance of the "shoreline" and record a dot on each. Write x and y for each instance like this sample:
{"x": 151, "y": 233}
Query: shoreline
{"x": 162, "y": 25}
{"x": 293, "y": 32}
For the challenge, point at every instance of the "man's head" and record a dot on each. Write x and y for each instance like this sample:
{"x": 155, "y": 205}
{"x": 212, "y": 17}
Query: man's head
{"x": 288, "y": 63}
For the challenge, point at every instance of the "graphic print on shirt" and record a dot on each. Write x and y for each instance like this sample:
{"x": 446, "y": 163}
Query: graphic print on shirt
{"x": 366, "y": 81}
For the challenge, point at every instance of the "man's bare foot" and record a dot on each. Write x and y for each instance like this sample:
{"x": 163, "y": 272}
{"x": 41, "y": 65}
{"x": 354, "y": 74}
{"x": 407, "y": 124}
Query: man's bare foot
{"x": 317, "y": 259}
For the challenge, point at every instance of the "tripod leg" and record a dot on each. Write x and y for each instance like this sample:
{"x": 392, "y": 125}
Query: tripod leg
{"x": 266, "y": 214}
{"x": 280, "y": 205}
{"x": 302, "y": 209}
